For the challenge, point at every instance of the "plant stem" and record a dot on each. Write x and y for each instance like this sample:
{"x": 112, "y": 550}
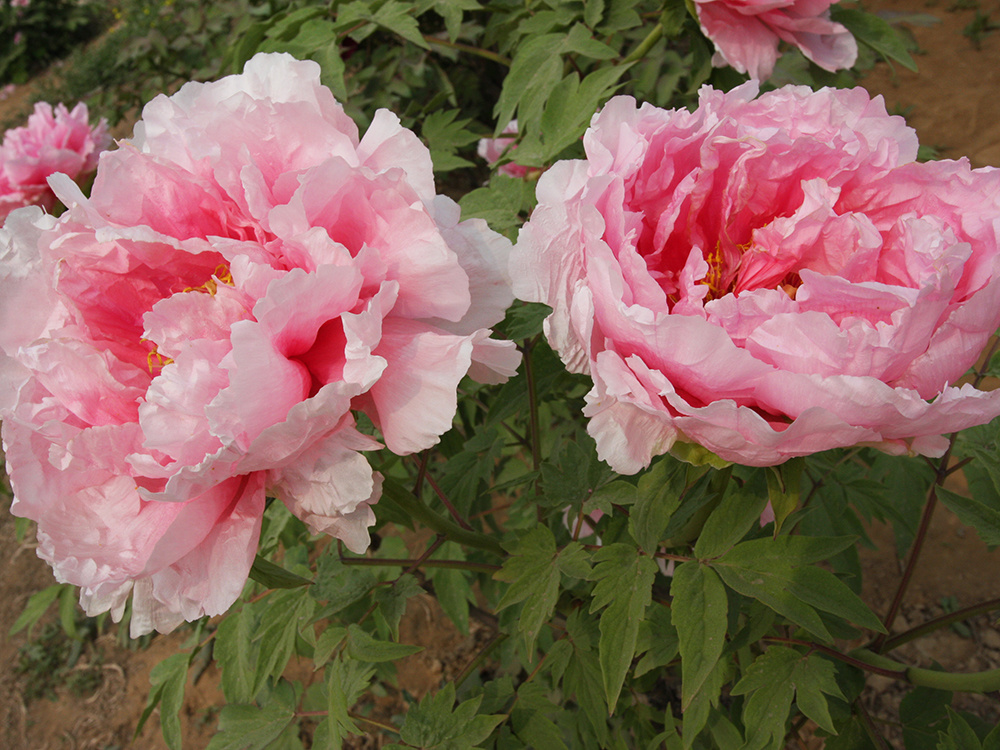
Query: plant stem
{"x": 403, "y": 563}
{"x": 479, "y": 658}
{"x": 940, "y": 622}
{"x": 894, "y": 672}
{"x": 533, "y": 424}
{"x": 478, "y": 51}
{"x": 447, "y": 503}
{"x": 918, "y": 544}
{"x": 968, "y": 682}
{"x": 869, "y": 725}
{"x": 412, "y": 506}
{"x": 645, "y": 45}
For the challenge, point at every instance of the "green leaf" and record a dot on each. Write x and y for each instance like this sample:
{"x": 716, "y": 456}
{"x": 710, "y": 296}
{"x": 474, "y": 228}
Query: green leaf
{"x": 699, "y": 613}
{"x": 657, "y": 497}
{"x": 283, "y": 614}
{"x": 273, "y": 576}
{"x": 451, "y": 12}
{"x": 393, "y": 15}
{"x": 739, "y": 510}
{"x": 68, "y": 611}
{"x": 658, "y": 641}
{"x": 454, "y": 592}
{"x": 984, "y": 519}
{"x": 784, "y": 486}
{"x": 875, "y": 32}
{"x": 391, "y": 601}
{"x": 533, "y": 570}
{"x": 167, "y": 681}
{"x": 437, "y": 723}
{"x": 235, "y": 655}
{"x": 331, "y": 637}
{"x": 524, "y": 320}
{"x": 243, "y": 727}
{"x": 364, "y": 647}
{"x": 624, "y": 585}
{"x": 444, "y": 135}
{"x": 500, "y": 204}
{"x": 340, "y": 585}
{"x": 346, "y": 681}
{"x": 922, "y": 713}
{"x": 583, "y": 679}
{"x": 38, "y": 604}
{"x": 960, "y": 736}
{"x": 777, "y": 572}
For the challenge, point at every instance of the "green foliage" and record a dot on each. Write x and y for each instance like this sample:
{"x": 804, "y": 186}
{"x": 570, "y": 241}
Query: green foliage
{"x": 582, "y": 636}
{"x": 33, "y": 36}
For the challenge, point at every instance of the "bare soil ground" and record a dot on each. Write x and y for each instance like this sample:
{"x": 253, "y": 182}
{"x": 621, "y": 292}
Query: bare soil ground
{"x": 954, "y": 104}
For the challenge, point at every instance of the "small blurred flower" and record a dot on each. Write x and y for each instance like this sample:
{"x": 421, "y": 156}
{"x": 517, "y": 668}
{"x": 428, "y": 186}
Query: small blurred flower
{"x": 491, "y": 149}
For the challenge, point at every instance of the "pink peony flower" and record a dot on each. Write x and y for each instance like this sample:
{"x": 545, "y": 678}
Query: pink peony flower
{"x": 53, "y": 141}
{"x": 766, "y": 278}
{"x": 746, "y": 33}
{"x": 491, "y": 149}
{"x": 246, "y": 275}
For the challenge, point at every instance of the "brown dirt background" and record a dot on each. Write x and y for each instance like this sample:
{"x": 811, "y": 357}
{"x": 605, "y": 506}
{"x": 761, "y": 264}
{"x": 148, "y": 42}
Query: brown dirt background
{"x": 954, "y": 104}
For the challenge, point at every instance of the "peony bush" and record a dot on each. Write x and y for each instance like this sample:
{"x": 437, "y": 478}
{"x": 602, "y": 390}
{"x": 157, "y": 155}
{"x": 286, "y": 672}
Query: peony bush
{"x": 262, "y": 384}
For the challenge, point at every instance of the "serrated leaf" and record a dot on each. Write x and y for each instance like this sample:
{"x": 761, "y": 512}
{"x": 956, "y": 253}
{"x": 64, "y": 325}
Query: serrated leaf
{"x": 524, "y": 320}
{"x": 699, "y": 614}
{"x": 331, "y": 637}
{"x": 533, "y": 570}
{"x": 876, "y": 32}
{"x": 391, "y": 601}
{"x": 984, "y": 519}
{"x": 700, "y": 709}
{"x": 658, "y": 495}
{"x": 960, "y": 736}
{"x": 583, "y": 679}
{"x": 499, "y": 204}
{"x": 363, "y": 647}
{"x": 244, "y": 727}
{"x": 437, "y": 723}
{"x": 451, "y": 12}
{"x": 729, "y": 522}
{"x": 340, "y": 585}
{"x": 282, "y": 616}
{"x": 235, "y": 655}
{"x": 346, "y": 681}
{"x": 167, "y": 680}
{"x": 659, "y": 643}
{"x": 624, "y": 579}
{"x": 273, "y": 576}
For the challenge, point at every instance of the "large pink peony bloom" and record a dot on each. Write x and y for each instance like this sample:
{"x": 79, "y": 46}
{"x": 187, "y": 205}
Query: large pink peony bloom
{"x": 54, "y": 140}
{"x": 198, "y": 334}
{"x": 766, "y": 278}
{"x": 746, "y": 33}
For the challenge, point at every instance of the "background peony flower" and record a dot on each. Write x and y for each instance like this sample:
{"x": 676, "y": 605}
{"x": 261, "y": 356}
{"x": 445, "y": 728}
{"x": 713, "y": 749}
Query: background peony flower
{"x": 766, "y": 278}
{"x": 246, "y": 275}
{"x": 54, "y": 140}
{"x": 491, "y": 149}
{"x": 746, "y": 33}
